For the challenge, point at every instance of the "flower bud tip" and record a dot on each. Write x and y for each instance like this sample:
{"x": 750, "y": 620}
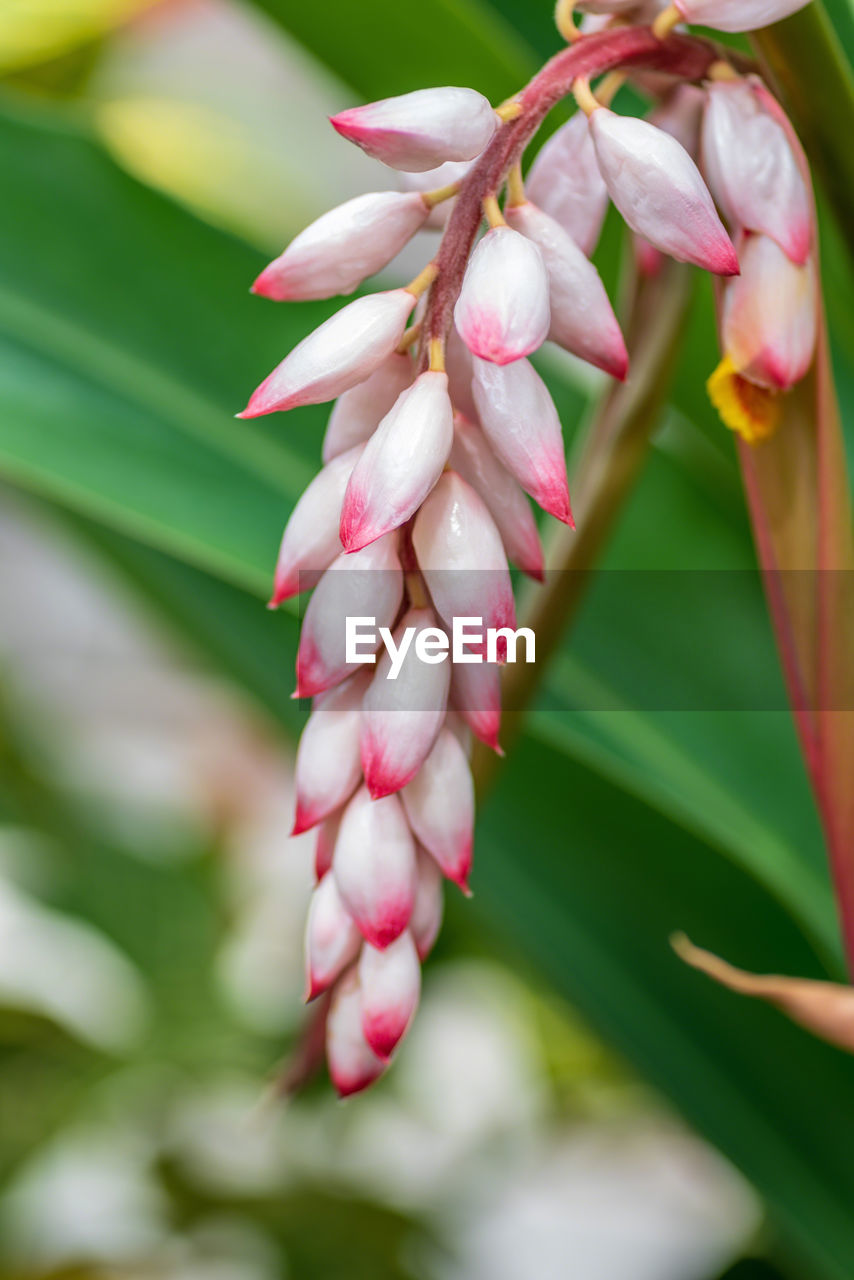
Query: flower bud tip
{"x": 265, "y": 287}
{"x": 303, "y": 822}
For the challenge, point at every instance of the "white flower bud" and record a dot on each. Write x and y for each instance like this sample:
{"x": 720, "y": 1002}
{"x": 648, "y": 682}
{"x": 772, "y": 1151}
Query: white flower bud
{"x": 391, "y": 984}
{"x": 374, "y": 866}
{"x": 426, "y": 918}
{"x": 345, "y": 350}
{"x": 737, "y": 15}
{"x": 502, "y": 312}
{"x": 368, "y": 583}
{"x": 582, "y": 320}
{"x": 328, "y": 767}
{"x": 472, "y": 457}
{"x": 460, "y": 554}
{"x": 332, "y": 940}
{"x": 521, "y": 423}
{"x": 401, "y": 462}
{"x": 752, "y": 168}
{"x": 439, "y": 803}
{"x": 420, "y": 130}
{"x": 565, "y": 183}
{"x": 311, "y": 542}
{"x": 403, "y": 713}
{"x": 659, "y": 191}
{"x": 353, "y": 1065}
{"x": 343, "y": 247}
{"x": 770, "y": 316}
{"x": 359, "y": 411}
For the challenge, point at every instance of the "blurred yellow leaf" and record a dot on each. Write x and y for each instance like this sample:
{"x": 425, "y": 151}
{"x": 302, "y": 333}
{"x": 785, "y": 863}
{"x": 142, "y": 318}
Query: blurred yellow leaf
{"x": 189, "y": 149}
{"x": 33, "y": 31}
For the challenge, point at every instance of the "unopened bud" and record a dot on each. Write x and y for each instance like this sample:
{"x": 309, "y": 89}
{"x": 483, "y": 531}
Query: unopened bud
{"x": 421, "y": 130}
{"x": 502, "y": 312}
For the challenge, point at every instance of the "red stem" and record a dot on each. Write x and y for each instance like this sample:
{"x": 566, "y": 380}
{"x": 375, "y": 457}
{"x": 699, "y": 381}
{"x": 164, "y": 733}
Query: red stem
{"x": 681, "y": 56}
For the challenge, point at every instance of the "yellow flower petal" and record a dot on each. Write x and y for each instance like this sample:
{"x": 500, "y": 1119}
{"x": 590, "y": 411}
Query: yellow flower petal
{"x": 751, "y": 410}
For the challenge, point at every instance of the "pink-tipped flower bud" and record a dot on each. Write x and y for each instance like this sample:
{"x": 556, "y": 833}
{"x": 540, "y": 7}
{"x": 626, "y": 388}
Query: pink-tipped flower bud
{"x": 405, "y": 705}
{"x": 565, "y": 183}
{"x": 328, "y": 767}
{"x": 324, "y": 846}
{"x": 401, "y": 462}
{"x": 332, "y": 940}
{"x": 359, "y": 411}
{"x": 345, "y": 350}
{"x": 310, "y": 542}
{"x": 460, "y": 554}
{"x": 502, "y": 312}
{"x": 353, "y": 1065}
{"x": 472, "y": 457}
{"x": 522, "y": 425}
{"x": 368, "y": 583}
{"x": 420, "y": 130}
{"x": 737, "y": 15}
{"x": 582, "y": 320}
{"x": 659, "y": 191}
{"x": 343, "y": 247}
{"x": 770, "y": 316}
{"x": 476, "y": 696}
{"x": 374, "y": 866}
{"x": 752, "y": 168}
{"x": 444, "y": 175}
{"x": 439, "y": 804}
{"x": 426, "y": 919}
{"x": 391, "y": 984}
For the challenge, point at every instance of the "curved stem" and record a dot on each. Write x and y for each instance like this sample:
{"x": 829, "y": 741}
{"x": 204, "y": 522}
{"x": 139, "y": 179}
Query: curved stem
{"x": 684, "y": 56}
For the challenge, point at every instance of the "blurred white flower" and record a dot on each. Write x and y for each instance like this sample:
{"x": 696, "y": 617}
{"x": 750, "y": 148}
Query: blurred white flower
{"x": 67, "y": 971}
{"x": 89, "y": 1196}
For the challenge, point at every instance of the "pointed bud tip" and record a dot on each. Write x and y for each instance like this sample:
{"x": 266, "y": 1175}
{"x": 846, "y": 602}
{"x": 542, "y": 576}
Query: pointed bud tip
{"x": 313, "y": 989}
{"x": 354, "y": 536}
{"x": 727, "y": 261}
{"x": 346, "y": 123}
{"x": 381, "y": 784}
{"x": 268, "y": 286}
{"x": 381, "y": 1041}
{"x": 381, "y": 936}
{"x": 347, "y": 1088}
{"x": 304, "y": 821}
{"x": 282, "y": 592}
{"x": 619, "y": 369}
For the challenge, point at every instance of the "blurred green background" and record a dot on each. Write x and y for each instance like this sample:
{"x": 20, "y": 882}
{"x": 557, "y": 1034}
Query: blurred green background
{"x": 572, "y": 1101}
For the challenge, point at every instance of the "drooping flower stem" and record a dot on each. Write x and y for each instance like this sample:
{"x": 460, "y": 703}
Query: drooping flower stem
{"x": 636, "y": 47}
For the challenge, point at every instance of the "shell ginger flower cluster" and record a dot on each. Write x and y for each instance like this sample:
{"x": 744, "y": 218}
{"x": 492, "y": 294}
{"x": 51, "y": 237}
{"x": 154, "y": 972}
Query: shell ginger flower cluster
{"x": 442, "y": 426}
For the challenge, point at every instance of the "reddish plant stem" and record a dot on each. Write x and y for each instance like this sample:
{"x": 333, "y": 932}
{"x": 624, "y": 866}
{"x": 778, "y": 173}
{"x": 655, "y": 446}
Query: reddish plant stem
{"x": 682, "y": 56}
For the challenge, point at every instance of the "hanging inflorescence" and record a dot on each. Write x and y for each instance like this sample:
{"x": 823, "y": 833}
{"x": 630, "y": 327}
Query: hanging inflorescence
{"x": 442, "y": 426}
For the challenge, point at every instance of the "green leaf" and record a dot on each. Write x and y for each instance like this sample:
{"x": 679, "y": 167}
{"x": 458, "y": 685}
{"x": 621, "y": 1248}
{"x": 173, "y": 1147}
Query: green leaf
{"x": 591, "y": 888}
{"x": 127, "y": 343}
{"x": 386, "y": 47}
